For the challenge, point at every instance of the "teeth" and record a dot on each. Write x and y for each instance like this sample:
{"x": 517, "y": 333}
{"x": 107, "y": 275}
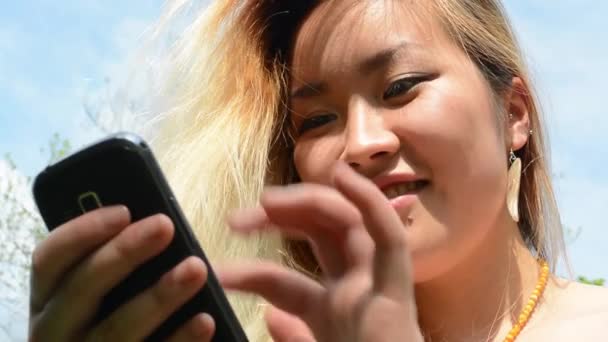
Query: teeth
{"x": 401, "y": 189}
{"x": 391, "y": 192}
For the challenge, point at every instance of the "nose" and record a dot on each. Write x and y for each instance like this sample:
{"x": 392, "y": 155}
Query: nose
{"x": 369, "y": 142}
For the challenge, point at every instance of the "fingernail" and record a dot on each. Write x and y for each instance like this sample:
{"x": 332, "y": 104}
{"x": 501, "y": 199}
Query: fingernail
{"x": 281, "y": 190}
{"x": 342, "y": 167}
{"x": 118, "y": 214}
{"x": 187, "y": 273}
{"x": 120, "y": 209}
{"x": 203, "y": 324}
{"x": 247, "y": 220}
{"x": 153, "y": 230}
{"x": 235, "y": 220}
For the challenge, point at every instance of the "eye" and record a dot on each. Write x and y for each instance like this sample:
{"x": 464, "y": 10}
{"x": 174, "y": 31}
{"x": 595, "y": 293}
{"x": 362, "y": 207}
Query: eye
{"x": 402, "y": 86}
{"x": 316, "y": 121}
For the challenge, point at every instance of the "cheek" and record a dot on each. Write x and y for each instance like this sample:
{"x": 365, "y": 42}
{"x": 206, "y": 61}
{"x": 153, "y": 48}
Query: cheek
{"x": 453, "y": 134}
{"x": 454, "y": 126}
{"x": 314, "y": 158}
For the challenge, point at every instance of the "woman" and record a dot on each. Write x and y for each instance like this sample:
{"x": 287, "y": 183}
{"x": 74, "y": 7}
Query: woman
{"x": 423, "y": 210}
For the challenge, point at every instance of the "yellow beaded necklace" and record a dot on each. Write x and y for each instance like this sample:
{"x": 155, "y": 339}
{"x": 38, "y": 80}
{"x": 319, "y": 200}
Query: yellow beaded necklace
{"x": 524, "y": 316}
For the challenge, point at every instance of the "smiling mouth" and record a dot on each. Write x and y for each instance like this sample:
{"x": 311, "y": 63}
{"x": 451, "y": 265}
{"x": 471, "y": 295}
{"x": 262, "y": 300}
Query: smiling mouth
{"x": 405, "y": 188}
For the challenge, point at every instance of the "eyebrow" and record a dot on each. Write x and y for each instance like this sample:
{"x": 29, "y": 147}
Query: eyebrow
{"x": 369, "y": 65}
{"x": 310, "y": 90}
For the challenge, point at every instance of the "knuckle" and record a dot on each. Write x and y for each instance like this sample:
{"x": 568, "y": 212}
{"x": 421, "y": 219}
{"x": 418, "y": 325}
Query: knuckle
{"x": 46, "y": 326}
{"x": 84, "y": 283}
{"x": 103, "y": 218}
{"x": 316, "y": 203}
{"x": 77, "y": 286}
{"x": 94, "y": 218}
{"x": 124, "y": 248}
{"x": 174, "y": 286}
{"x": 38, "y": 336}
{"x": 160, "y": 295}
{"x": 35, "y": 333}
{"x": 315, "y": 193}
{"x": 341, "y": 304}
{"x": 317, "y": 198}
{"x": 399, "y": 241}
{"x": 133, "y": 245}
{"x": 106, "y": 331}
{"x": 38, "y": 260}
{"x": 346, "y": 300}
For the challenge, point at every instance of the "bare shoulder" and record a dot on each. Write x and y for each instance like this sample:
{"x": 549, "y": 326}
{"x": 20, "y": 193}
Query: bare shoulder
{"x": 581, "y": 299}
{"x": 572, "y": 312}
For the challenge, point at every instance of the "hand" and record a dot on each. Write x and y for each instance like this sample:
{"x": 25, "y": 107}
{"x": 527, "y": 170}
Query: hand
{"x": 360, "y": 243}
{"x": 80, "y": 261}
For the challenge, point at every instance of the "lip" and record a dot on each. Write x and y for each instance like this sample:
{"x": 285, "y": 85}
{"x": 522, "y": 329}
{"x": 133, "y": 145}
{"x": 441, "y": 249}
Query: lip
{"x": 403, "y": 201}
{"x": 385, "y": 181}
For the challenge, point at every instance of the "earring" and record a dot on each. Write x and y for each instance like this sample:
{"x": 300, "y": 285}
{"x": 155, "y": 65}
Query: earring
{"x": 514, "y": 178}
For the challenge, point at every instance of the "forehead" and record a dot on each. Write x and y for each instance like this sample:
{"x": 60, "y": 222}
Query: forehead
{"x": 339, "y": 32}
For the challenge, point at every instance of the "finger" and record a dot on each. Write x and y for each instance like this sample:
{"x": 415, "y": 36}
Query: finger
{"x": 143, "y": 314}
{"x": 359, "y": 250}
{"x": 105, "y": 268}
{"x": 199, "y": 328}
{"x": 284, "y": 327}
{"x": 68, "y": 244}
{"x": 286, "y": 289}
{"x": 331, "y": 261}
{"x": 391, "y": 261}
{"x": 317, "y": 212}
{"x": 305, "y": 204}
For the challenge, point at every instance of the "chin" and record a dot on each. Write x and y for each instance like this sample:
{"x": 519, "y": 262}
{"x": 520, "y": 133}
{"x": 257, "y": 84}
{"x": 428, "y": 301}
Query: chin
{"x": 432, "y": 252}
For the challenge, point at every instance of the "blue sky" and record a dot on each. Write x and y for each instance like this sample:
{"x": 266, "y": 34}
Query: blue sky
{"x": 52, "y": 57}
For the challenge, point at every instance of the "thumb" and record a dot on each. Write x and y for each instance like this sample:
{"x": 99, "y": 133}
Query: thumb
{"x": 284, "y": 327}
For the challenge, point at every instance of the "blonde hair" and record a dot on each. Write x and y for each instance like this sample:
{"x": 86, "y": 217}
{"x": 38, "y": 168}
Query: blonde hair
{"x": 222, "y": 139}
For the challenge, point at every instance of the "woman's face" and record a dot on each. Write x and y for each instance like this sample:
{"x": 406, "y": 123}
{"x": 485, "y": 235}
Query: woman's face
{"x": 389, "y": 93}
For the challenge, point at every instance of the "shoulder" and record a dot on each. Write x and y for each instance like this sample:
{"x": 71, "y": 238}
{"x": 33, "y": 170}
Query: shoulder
{"x": 581, "y": 299}
{"x": 573, "y": 312}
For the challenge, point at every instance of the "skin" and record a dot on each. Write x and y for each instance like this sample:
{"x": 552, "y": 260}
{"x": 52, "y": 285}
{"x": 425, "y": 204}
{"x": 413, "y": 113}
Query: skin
{"x": 470, "y": 268}
{"x": 83, "y": 259}
{"x": 452, "y": 266}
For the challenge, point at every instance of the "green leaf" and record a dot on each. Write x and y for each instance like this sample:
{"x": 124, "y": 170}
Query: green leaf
{"x": 596, "y": 282}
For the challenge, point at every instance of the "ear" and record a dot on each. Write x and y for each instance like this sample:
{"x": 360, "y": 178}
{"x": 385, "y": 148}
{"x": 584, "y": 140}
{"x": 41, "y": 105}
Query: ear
{"x": 518, "y": 126}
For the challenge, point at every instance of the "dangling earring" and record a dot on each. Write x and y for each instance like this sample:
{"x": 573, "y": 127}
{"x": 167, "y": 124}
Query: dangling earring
{"x": 514, "y": 178}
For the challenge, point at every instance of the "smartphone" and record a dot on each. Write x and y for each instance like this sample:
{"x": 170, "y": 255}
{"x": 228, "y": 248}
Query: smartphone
{"x": 121, "y": 169}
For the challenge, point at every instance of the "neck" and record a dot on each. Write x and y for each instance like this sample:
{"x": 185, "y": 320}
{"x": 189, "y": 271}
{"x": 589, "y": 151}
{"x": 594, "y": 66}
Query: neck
{"x": 480, "y": 298}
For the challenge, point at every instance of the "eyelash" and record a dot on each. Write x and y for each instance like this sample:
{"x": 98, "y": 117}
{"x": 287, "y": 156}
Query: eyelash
{"x": 402, "y": 86}
{"x": 316, "y": 121}
{"x": 397, "y": 88}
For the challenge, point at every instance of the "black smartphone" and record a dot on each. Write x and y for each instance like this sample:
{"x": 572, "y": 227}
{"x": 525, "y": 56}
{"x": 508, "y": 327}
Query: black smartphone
{"x": 121, "y": 169}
